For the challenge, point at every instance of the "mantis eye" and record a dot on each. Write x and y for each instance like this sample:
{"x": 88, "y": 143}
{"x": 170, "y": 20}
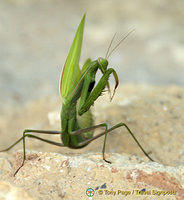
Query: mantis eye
{"x": 103, "y": 63}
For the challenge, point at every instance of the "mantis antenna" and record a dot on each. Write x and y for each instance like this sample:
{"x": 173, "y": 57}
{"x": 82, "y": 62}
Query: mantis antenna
{"x": 108, "y": 54}
{"x": 109, "y": 46}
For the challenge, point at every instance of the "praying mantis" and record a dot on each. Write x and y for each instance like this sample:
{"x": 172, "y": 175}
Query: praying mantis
{"x": 79, "y": 92}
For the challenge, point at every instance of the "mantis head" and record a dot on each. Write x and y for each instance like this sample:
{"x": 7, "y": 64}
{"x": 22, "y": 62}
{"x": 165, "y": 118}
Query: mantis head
{"x": 103, "y": 63}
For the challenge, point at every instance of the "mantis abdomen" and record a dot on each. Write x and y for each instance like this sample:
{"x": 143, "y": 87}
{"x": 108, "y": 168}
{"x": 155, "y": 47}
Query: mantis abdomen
{"x": 71, "y": 121}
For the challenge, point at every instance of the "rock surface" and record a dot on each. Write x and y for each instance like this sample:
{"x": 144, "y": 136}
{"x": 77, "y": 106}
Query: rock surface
{"x": 57, "y": 176}
{"x": 155, "y": 116}
{"x": 10, "y": 192}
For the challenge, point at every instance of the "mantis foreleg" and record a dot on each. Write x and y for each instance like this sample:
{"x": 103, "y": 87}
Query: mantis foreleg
{"x": 97, "y": 91}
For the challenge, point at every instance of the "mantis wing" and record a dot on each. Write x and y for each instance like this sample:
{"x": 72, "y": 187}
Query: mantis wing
{"x": 71, "y": 72}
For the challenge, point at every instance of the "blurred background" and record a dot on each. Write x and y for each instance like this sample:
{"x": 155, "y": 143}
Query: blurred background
{"x": 35, "y": 37}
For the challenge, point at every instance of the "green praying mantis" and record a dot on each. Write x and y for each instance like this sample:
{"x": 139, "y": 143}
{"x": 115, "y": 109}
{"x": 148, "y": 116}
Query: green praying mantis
{"x": 79, "y": 92}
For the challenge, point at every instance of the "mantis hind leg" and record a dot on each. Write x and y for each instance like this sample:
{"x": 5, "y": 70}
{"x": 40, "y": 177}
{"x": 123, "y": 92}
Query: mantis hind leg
{"x": 111, "y": 129}
{"x": 26, "y": 133}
